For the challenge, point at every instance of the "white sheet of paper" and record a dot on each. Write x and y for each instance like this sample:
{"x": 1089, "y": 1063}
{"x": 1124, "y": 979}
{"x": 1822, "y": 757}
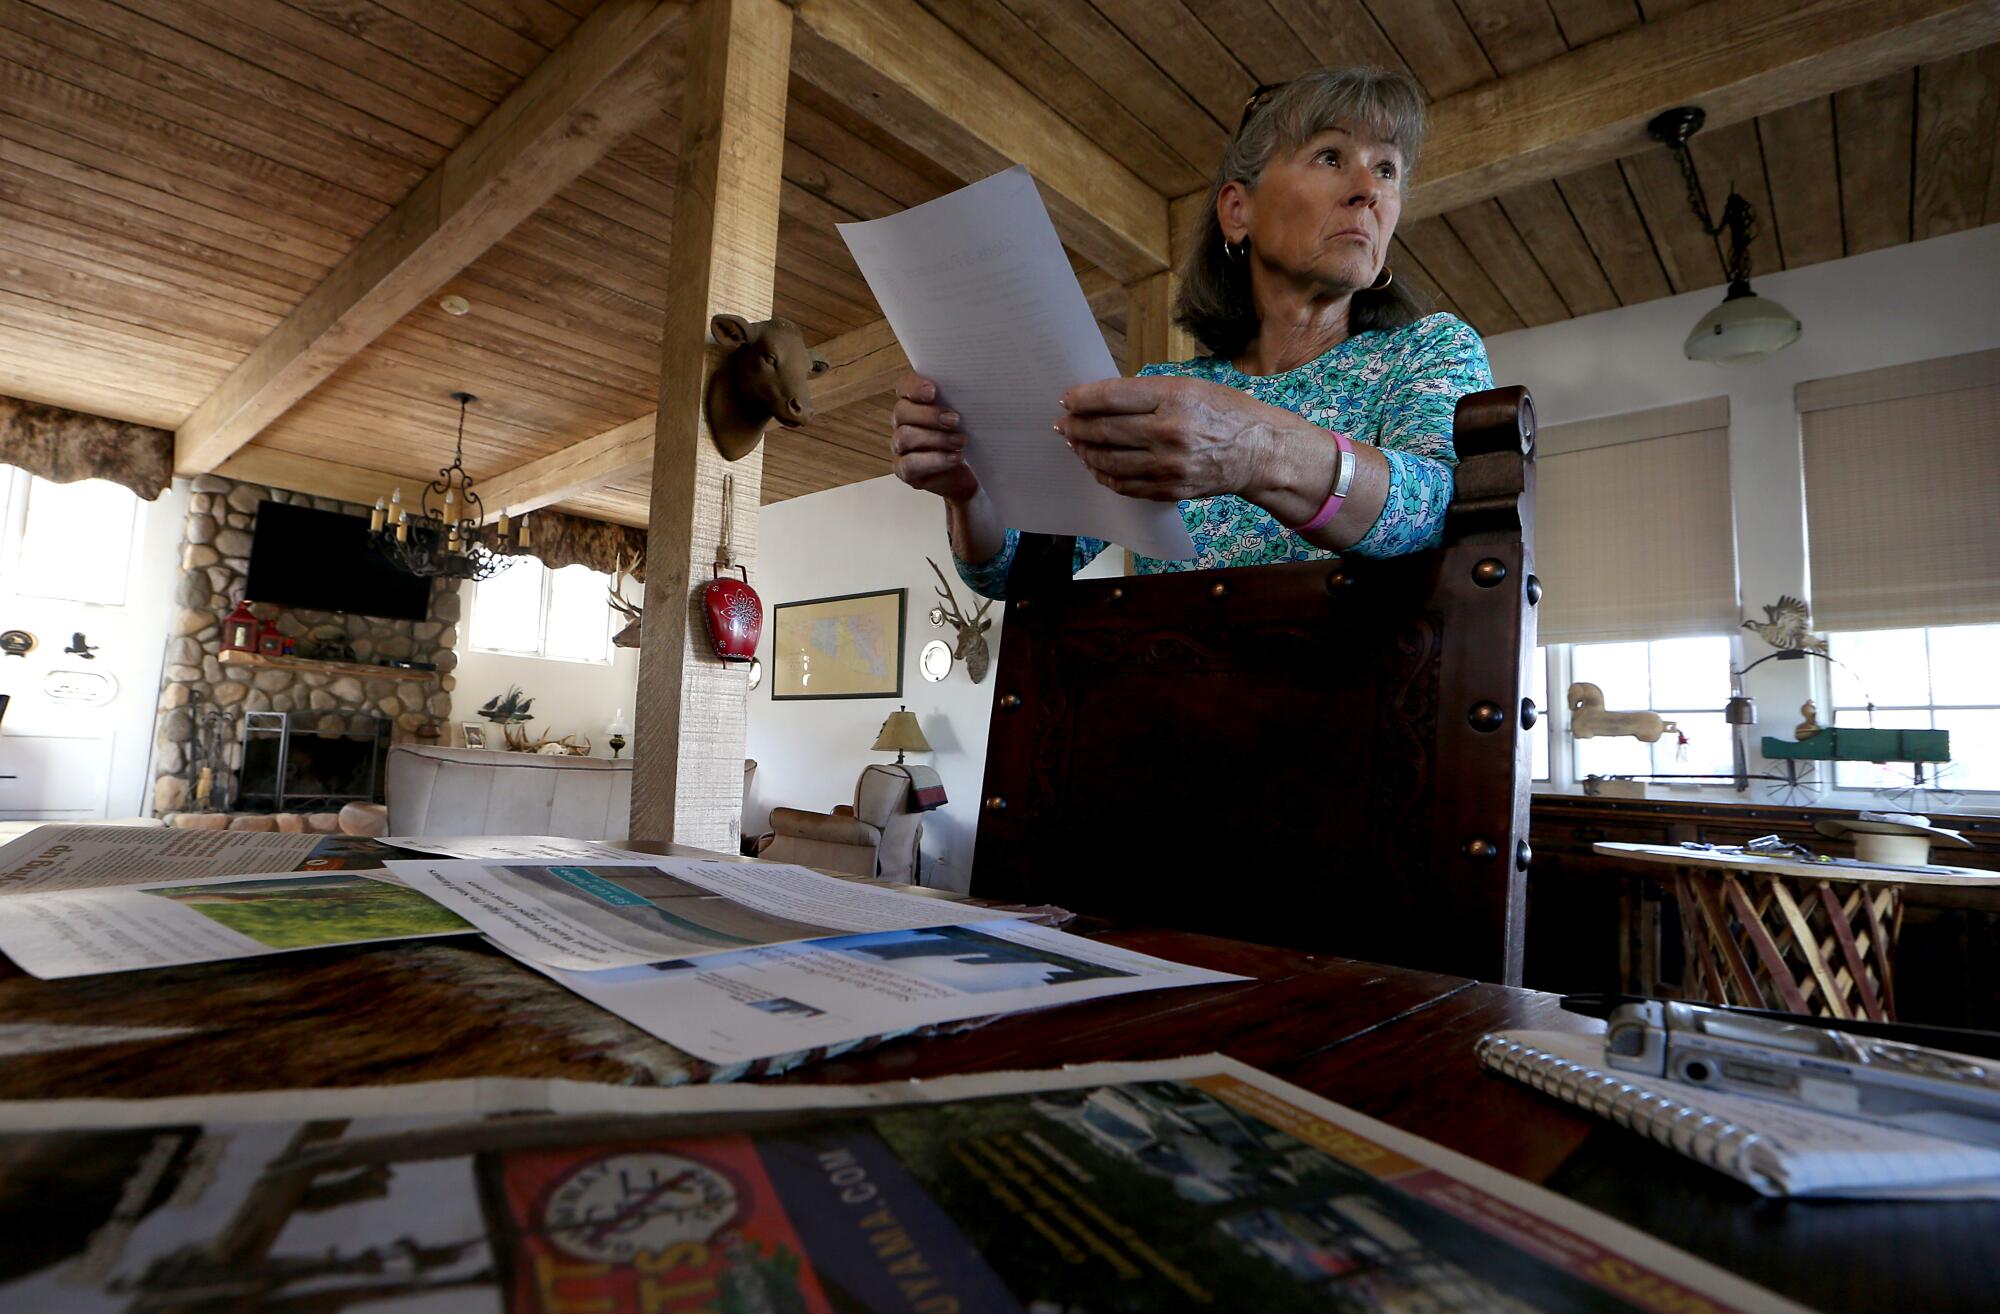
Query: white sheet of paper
{"x": 576, "y": 916}
{"x": 983, "y": 300}
{"x": 527, "y": 848}
{"x": 789, "y": 998}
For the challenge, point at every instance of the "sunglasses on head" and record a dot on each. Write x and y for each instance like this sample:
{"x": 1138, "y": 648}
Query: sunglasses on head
{"x": 1263, "y": 93}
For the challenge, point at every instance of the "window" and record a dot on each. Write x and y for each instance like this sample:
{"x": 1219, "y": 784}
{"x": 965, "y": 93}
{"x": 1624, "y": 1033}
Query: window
{"x": 1684, "y": 680}
{"x": 529, "y": 610}
{"x": 1928, "y": 678}
{"x": 71, "y": 542}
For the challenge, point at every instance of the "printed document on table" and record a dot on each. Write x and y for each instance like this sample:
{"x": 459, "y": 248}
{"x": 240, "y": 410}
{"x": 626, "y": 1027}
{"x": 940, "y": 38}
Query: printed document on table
{"x": 587, "y": 916}
{"x": 528, "y": 848}
{"x": 50, "y": 858}
{"x": 66, "y": 933}
{"x": 984, "y": 301}
{"x": 789, "y": 998}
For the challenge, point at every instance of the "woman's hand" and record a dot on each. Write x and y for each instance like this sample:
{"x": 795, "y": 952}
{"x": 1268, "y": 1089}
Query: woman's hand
{"x": 1167, "y": 439}
{"x": 927, "y": 443}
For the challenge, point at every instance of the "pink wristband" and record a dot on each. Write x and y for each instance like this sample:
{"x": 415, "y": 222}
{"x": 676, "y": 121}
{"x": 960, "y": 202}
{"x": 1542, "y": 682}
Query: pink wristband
{"x": 1343, "y": 478}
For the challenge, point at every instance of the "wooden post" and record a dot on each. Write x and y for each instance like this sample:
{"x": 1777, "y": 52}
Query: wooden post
{"x": 1150, "y": 332}
{"x": 687, "y": 782}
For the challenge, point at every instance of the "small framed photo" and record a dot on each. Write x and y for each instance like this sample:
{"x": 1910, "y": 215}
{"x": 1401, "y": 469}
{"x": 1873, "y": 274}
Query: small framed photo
{"x": 473, "y": 733}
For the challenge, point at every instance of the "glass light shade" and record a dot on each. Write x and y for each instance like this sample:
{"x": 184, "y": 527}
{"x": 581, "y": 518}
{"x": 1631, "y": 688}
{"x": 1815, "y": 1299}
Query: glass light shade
{"x": 618, "y": 724}
{"x": 902, "y": 734}
{"x": 1744, "y": 327}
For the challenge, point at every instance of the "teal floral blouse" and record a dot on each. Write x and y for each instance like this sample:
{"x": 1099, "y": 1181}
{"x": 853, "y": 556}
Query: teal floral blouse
{"x": 1397, "y": 391}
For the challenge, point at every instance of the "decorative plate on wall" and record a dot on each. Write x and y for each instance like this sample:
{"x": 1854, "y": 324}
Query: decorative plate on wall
{"x": 90, "y": 688}
{"x": 17, "y": 643}
{"x": 936, "y": 660}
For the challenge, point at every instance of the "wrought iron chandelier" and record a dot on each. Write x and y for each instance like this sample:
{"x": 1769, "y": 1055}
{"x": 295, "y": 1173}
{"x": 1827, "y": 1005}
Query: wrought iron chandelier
{"x": 450, "y": 538}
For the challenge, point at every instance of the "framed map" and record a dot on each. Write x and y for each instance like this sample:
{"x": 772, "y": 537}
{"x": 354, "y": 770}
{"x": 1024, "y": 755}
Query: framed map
{"x": 845, "y": 647}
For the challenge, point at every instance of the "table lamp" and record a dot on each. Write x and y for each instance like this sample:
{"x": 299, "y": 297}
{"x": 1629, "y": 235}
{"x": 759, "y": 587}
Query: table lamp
{"x": 900, "y": 734}
{"x": 618, "y": 729}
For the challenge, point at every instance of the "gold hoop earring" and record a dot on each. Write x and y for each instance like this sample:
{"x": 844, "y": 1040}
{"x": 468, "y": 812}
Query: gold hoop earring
{"x": 1383, "y": 279}
{"x": 1235, "y": 251}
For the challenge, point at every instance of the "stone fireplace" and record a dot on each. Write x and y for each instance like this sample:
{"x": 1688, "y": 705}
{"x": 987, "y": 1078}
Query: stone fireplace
{"x": 203, "y": 700}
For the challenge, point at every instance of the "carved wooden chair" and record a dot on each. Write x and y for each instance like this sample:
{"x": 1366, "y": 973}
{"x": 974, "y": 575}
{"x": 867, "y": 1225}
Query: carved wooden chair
{"x": 1325, "y": 755}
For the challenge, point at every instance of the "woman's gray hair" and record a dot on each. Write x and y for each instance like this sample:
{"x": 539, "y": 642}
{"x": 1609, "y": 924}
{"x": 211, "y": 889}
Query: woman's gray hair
{"x": 1214, "y": 303}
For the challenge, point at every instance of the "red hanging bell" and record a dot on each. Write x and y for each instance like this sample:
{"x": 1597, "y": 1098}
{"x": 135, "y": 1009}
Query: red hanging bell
{"x": 735, "y": 615}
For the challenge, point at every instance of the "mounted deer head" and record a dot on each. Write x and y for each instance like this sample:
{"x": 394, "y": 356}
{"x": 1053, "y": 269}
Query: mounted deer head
{"x": 629, "y": 636}
{"x": 763, "y": 378}
{"x": 971, "y": 647}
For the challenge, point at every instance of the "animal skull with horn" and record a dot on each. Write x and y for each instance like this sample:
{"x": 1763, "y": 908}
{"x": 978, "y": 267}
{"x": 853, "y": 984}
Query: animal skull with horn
{"x": 971, "y": 647}
{"x": 629, "y": 636}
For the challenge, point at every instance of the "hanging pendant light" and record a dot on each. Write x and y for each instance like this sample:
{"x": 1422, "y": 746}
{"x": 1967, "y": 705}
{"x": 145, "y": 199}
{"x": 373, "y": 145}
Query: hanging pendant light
{"x": 449, "y": 541}
{"x": 1745, "y": 327}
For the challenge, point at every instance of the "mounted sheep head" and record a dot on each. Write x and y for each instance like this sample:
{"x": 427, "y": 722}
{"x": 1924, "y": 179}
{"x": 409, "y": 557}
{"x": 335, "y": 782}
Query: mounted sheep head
{"x": 764, "y": 377}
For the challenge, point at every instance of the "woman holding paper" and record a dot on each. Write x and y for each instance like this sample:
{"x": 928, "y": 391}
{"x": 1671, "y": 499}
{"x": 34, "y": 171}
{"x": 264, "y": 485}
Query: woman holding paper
{"x": 1320, "y": 421}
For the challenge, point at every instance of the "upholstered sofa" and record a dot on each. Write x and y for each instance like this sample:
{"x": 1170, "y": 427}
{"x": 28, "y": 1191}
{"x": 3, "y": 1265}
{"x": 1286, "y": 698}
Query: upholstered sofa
{"x": 478, "y": 791}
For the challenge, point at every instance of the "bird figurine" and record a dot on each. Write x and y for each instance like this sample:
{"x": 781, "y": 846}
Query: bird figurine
{"x": 1786, "y": 627}
{"x": 78, "y": 647}
{"x": 1809, "y": 727}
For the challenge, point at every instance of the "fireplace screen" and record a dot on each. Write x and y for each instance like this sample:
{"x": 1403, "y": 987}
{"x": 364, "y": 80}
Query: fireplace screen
{"x": 287, "y": 766}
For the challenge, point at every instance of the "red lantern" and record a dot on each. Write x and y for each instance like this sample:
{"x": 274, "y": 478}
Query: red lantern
{"x": 240, "y": 629}
{"x": 735, "y": 615}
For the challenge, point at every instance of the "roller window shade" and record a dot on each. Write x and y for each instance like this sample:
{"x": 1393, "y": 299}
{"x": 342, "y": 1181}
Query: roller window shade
{"x": 1634, "y": 537}
{"x": 1902, "y": 471}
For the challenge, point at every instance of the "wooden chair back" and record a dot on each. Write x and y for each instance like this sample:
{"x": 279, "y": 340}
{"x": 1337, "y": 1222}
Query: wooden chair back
{"x": 1325, "y": 755}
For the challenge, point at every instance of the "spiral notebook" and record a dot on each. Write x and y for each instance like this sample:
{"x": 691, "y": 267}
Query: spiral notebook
{"x": 1775, "y": 1148}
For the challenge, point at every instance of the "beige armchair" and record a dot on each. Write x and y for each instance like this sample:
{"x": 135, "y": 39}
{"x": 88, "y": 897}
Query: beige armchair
{"x": 877, "y": 836}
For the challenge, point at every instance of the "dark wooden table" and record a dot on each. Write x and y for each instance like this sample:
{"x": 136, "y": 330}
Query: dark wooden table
{"x": 1392, "y": 1043}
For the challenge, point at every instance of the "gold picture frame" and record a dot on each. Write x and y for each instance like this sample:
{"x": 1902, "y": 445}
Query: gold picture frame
{"x": 849, "y": 646}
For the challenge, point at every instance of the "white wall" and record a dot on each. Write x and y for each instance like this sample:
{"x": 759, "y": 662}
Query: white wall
{"x": 570, "y": 697}
{"x": 1908, "y": 303}
{"x": 859, "y": 539}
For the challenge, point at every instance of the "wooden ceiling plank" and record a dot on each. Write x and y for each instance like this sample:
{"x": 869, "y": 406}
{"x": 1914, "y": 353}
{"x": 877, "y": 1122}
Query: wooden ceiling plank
{"x": 214, "y": 53}
{"x": 970, "y": 115}
{"x": 1172, "y": 38}
{"x": 1735, "y": 58}
{"x": 1489, "y": 235}
{"x": 1601, "y": 202}
{"x": 196, "y": 165}
{"x": 1958, "y": 100}
{"x": 580, "y": 100}
{"x": 1458, "y": 274}
{"x": 1257, "y": 37}
{"x": 465, "y": 26}
{"x": 38, "y": 378}
{"x": 540, "y": 21}
{"x": 999, "y": 34}
{"x": 1435, "y": 40}
{"x": 1658, "y": 9}
{"x": 1515, "y": 34}
{"x": 1105, "y": 57}
{"x": 1873, "y": 128}
{"x": 1542, "y": 219}
{"x": 563, "y": 297}
{"x": 1686, "y": 252}
{"x": 593, "y": 192}
{"x": 1585, "y": 21}
{"x": 86, "y": 330}
{"x": 159, "y": 87}
{"x": 1805, "y": 180}
{"x": 135, "y": 251}
{"x": 95, "y": 175}
{"x": 1340, "y": 34}
{"x": 835, "y": 185}
{"x": 1411, "y": 270}
{"x": 357, "y": 35}
{"x": 57, "y": 271}
{"x": 831, "y": 140}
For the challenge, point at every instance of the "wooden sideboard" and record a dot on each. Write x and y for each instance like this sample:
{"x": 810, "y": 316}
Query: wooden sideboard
{"x": 1598, "y": 923}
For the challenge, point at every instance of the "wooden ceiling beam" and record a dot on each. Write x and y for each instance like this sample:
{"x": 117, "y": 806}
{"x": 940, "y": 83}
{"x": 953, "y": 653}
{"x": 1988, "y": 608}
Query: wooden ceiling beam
{"x": 1736, "y": 59}
{"x": 591, "y": 91}
{"x": 310, "y": 474}
{"x": 896, "y": 63}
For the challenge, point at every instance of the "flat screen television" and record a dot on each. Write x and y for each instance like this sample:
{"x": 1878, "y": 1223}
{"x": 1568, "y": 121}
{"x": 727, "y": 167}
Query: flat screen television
{"x": 323, "y": 561}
